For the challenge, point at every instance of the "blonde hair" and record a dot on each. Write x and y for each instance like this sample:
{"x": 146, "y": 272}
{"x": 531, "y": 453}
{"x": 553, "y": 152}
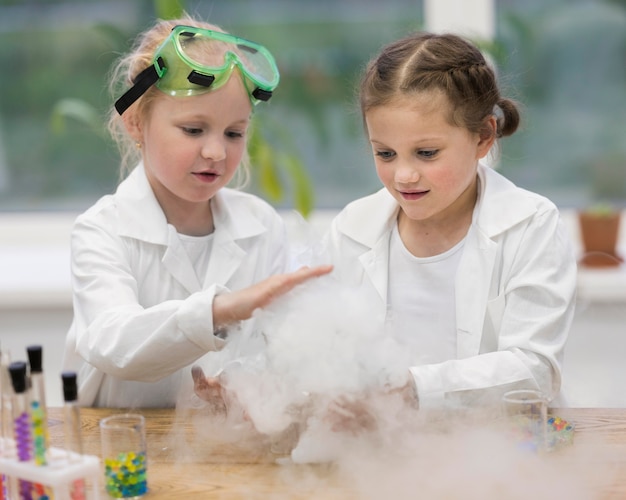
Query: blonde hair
{"x": 446, "y": 63}
{"x": 122, "y": 77}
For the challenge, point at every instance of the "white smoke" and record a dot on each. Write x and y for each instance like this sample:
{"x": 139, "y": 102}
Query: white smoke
{"x": 322, "y": 343}
{"x": 317, "y": 344}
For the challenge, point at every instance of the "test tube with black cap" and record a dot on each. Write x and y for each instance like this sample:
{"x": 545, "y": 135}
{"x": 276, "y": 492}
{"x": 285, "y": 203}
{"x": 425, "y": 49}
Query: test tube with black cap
{"x": 21, "y": 420}
{"x": 72, "y": 429}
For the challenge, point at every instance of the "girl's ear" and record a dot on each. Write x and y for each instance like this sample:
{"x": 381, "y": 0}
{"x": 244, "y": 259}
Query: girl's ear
{"x": 133, "y": 125}
{"x": 487, "y": 136}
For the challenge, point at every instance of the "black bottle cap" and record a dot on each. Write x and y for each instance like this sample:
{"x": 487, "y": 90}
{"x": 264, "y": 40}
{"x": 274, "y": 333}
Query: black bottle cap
{"x": 34, "y": 358}
{"x": 17, "y": 369}
{"x": 70, "y": 387}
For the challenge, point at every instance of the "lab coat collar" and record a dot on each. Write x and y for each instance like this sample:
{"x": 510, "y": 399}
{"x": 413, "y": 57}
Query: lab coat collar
{"x": 369, "y": 221}
{"x": 366, "y": 222}
{"x": 496, "y": 195}
{"x": 141, "y": 216}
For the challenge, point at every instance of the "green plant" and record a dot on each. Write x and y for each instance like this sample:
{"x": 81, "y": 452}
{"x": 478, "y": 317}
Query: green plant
{"x": 274, "y": 166}
{"x": 600, "y": 209}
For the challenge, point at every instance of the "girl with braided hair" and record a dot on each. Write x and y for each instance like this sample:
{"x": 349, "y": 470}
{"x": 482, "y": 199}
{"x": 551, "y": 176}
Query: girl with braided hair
{"x": 474, "y": 275}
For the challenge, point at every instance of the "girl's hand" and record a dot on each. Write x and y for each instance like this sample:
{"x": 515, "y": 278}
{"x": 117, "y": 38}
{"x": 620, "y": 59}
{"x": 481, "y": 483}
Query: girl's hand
{"x": 347, "y": 414}
{"x": 209, "y": 389}
{"x": 238, "y": 306}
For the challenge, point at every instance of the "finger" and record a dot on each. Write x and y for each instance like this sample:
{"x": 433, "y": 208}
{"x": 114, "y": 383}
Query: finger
{"x": 201, "y": 387}
{"x": 213, "y": 382}
{"x": 341, "y": 411}
{"x": 313, "y": 272}
{"x": 197, "y": 373}
{"x": 291, "y": 280}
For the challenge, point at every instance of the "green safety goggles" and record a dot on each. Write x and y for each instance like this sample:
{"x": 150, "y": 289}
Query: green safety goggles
{"x": 184, "y": 65}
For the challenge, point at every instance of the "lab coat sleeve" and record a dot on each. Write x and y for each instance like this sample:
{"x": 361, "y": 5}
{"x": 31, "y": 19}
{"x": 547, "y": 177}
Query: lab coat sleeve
{"x": 117, "y": 335}
{"x": 536, "y": 283}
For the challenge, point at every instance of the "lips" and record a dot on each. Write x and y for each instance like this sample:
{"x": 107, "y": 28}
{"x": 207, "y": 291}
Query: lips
{"x": 205, "y": 176}
{"x": 413, "y": 195}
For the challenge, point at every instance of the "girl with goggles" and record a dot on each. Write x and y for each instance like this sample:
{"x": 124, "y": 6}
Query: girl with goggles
{"x": 173, "y": 262}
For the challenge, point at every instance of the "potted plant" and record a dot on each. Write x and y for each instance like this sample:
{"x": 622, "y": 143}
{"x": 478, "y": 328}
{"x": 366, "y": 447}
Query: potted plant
{"x": 599, "y": 230}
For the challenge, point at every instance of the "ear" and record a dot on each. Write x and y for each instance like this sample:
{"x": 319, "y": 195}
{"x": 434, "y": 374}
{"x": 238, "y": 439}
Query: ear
{"x": 133, "y": 124}
{"x": 487, "y": 136}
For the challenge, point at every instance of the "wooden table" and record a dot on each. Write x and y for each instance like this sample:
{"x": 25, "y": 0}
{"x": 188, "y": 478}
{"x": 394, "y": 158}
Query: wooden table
{"x": 183, "y": 465}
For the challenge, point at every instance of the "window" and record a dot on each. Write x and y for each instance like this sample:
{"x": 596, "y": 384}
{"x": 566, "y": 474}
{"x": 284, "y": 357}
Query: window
{"x": 564, "y": 61}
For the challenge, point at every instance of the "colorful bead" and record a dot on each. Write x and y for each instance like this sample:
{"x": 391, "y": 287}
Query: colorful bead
{"x": 560, "y": 432}
{"x": 126, "y": 475}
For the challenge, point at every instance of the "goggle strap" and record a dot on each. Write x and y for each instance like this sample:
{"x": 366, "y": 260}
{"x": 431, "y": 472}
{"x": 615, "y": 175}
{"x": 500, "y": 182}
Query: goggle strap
{"x": 261, "y": 95}
{"x": 200, "y": 79}
{"x": 143, "y": 82}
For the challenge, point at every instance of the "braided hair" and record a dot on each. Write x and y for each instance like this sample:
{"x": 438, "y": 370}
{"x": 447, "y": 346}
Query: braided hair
{"x": 447, "y": 63}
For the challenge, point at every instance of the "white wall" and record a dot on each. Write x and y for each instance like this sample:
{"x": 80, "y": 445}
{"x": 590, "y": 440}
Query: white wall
{"x": 475, "y": 18}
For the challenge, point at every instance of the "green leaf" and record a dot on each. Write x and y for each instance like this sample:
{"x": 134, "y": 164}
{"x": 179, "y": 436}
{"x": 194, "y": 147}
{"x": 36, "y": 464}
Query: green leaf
{"x": 269, "y": 179}
{"x": 269, "y": 162}
{"x": 254, "y": 141}
{"x": 78, "y": 110}
{"x": 169, "y": 9}
{"x": 302, "y": 186}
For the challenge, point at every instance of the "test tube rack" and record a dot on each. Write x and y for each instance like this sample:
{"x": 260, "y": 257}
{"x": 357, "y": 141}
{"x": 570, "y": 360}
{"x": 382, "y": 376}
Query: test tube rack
{"x": 59, "y": 474}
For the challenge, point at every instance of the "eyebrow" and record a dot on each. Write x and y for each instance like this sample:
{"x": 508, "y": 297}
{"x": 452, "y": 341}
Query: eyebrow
{"x": 203, "y": 118}
{"x": 424, "y": 139}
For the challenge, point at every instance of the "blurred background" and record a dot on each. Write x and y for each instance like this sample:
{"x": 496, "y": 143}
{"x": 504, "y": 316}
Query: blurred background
{"x": 564, "y": 60}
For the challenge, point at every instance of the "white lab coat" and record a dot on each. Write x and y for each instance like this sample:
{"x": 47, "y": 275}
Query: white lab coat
{"x": 141, "y": 316}
{"x": 515, "y": 289}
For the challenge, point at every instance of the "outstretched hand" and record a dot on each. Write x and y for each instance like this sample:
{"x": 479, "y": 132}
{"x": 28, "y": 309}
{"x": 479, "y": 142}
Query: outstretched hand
{"x": 237, "y": 306}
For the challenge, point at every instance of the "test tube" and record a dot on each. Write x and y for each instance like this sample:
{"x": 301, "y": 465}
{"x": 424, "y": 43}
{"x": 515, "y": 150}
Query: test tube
{"x": 38, "y": 416}
{"x": 72, "y": 429}
{"x": 5, "y": 418}
{"x": 38, "y": 409}
{"x": 6, "y": 392}
{"x": 21, "y": 422}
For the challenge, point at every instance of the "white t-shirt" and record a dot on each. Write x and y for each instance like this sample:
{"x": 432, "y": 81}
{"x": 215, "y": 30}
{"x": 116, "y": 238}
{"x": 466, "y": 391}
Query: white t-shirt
{"x": 198, "y": 249}
{"x": 421, "y": 298}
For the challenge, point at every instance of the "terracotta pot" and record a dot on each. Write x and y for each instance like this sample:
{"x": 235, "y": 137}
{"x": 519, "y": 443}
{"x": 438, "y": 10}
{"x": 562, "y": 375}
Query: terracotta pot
{"x": 599, "y": 233}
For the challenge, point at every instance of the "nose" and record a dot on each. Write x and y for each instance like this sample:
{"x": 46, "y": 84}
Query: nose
{"x": 213, "y": 148}
{"x": 407, "y": 173}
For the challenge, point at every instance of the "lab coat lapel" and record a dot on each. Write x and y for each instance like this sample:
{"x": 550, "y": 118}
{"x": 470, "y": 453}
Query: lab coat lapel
{"x": 474, "y": 281}
{"x": 226, "y": 258}
{"x": 233, "y": 222}
{"x": 142, "y": 218}
{"x": 375, "y": 265}
{"x": 178, "y": 264}
{"x": 472, "y": 291}
{"x": 370, "y": 225}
